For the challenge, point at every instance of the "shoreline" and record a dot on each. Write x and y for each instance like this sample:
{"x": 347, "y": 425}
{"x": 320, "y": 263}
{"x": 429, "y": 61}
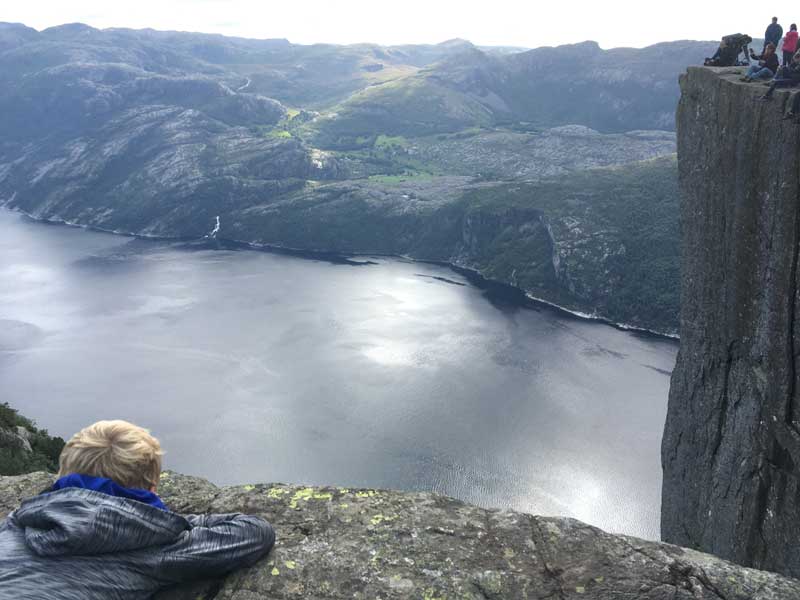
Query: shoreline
{"x": 475, "y": 277}
{"x": 576, "y": 314}
{"x": 604, "y": 320}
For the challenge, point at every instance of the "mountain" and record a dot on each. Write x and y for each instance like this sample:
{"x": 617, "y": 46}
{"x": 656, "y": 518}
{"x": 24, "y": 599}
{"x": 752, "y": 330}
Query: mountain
{"x": 611, "y": 91}
{"x": 356, "y": 149}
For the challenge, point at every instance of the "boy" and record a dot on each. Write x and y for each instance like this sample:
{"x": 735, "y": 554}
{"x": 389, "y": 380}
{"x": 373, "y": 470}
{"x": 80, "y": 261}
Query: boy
{"x": 101, "y": 532}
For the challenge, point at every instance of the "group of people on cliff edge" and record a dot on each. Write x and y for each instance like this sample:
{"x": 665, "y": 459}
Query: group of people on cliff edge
{"x": 767, "y": 67}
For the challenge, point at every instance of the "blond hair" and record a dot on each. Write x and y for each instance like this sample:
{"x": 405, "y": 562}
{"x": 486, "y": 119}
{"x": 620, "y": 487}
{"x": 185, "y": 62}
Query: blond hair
{"x": 118, "y": 450}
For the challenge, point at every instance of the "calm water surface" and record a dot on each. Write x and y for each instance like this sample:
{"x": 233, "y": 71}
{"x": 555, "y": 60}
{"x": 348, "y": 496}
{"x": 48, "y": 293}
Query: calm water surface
{"x": 257, "y": 367}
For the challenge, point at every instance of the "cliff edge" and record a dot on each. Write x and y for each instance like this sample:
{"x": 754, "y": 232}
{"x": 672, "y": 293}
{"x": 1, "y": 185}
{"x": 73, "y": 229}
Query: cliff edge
{"x": 731, "y": 446}
{"x": 359, "y": 544}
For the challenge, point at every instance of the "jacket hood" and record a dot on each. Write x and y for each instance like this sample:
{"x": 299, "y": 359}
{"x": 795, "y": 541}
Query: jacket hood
{"x": 75, "y": 521}
{"x": 107, "y": 486}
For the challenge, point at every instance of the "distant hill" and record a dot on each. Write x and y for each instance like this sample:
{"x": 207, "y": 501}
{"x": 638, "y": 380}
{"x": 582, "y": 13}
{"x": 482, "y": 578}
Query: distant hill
{"x": 608, "y": 90}
{"x": 159, "y": 133}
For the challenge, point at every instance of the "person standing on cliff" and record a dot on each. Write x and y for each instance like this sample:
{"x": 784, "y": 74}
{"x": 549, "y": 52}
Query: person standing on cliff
{"x": 102, "y": 532}
{"x": 790, "y": 45}
{"x": 772, "y": 35}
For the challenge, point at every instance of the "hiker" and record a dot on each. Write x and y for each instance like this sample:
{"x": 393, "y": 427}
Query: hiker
{"x": 772, "y": 35}
{"x": 766, "y": 67}
{"x": 101, "y": 531}
{"x": 789, "y": 45}
{"x": 720, "y": 56}
{"x": 788, "y": 76}
{"x": 727, "y": 55}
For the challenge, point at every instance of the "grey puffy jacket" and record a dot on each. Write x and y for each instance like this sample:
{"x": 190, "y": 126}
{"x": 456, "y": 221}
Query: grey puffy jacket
{"x": 78, "y": 544}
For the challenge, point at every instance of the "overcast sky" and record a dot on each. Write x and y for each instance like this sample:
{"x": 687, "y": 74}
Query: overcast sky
{"x": 528, "y": 23}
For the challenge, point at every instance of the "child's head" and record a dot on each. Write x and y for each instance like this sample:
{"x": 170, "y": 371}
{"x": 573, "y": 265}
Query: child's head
{"x": 118, "y": 450}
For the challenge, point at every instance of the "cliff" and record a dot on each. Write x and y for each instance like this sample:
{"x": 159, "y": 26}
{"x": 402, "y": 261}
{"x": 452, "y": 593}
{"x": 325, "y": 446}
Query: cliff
{"x": 339, "y": 543}
{"x": 731, "y": 446}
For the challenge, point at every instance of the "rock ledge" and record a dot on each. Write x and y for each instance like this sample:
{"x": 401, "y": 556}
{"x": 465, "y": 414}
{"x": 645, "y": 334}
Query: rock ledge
{"x": 361, "y": 543}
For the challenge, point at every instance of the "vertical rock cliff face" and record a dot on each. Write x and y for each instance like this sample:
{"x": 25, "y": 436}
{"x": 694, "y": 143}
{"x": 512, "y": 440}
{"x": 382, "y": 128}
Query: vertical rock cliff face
{"x": 731, "y": 447}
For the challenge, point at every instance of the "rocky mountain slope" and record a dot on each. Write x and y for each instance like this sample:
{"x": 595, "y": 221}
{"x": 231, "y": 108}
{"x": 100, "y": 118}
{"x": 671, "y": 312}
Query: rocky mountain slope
{"x": 611, "y": 91}
{"x": 731, "y": 446}
{"x": 23, "y": 446}
{"x": 588, "y": 242}
{"x": 160, "y": 133}
{"x": 342, "y": 543}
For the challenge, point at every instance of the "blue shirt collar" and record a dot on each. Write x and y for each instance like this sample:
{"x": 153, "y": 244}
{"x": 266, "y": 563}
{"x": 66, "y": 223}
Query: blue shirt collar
{"x": 108, "y": 486}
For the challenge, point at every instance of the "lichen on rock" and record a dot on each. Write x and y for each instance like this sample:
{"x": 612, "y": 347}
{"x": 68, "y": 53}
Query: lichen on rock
{"x": 359, "y": 544}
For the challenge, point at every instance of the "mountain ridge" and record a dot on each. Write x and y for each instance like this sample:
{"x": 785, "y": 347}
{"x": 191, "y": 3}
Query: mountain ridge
{"x": 158, "y": 133}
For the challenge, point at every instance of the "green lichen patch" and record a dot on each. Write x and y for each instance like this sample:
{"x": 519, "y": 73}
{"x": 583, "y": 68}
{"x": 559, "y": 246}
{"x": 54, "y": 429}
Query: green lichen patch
{"x": 378, "y": 519}
{"x": 276, "y": 492}
{"x": 366, "y": 494}
{"x": 306, "y": 494}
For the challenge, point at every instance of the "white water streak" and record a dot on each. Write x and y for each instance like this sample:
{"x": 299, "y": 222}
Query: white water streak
{"x": 214, "y": 231}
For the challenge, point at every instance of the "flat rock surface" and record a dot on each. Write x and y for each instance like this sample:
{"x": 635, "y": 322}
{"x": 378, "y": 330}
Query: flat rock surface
{"x": 361, "y": 543}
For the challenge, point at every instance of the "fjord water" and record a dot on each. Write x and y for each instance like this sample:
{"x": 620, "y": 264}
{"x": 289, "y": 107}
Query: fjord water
{"x": 258, "y": 367}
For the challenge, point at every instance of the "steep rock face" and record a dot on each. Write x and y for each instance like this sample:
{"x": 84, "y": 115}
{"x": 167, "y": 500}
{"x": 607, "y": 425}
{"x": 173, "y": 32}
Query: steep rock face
{"x": 731, "y": 447}
{"x": 15, "y": 438}
{"x": 339, "y": 543}
{"x": 165, "y": 171}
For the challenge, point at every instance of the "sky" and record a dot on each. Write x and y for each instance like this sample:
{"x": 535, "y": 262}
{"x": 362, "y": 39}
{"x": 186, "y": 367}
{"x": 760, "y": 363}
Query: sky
{"x": 526, "y": 23}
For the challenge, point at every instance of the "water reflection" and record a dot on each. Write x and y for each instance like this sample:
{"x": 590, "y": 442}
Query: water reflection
{"x": 260, "y": 367}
